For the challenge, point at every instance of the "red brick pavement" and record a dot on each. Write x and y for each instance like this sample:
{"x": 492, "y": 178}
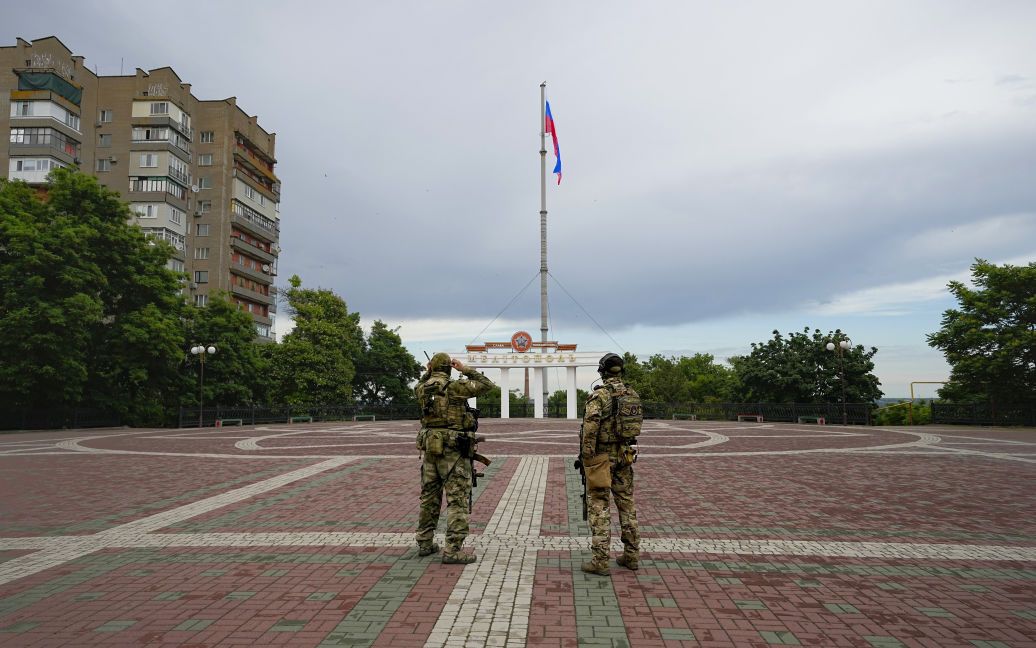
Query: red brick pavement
{"x": 108, "y": 490}
{"x": 724, "y": 600}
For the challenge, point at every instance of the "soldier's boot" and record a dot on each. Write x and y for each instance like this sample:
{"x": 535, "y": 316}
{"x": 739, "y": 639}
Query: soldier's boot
{"x": 458, "y": 558}
{"x": 629, "y": 561}
{"x": 594, "y": 567}
{"x": 427, "y": 549}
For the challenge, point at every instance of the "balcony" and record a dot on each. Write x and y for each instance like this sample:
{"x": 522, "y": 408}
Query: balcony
{"x": 251, "y": 294}
{"x": 165, "y": 120}
{"x": 255, "y": 275}
{"x": 254, "y": 223}
{"x": 158, "y": 189}
{"x": 175, "y": 240}
{"x": 241, "y": 245}
{"x": 159, "y": 145}
{"x": 46, "y": 121}
{"x": 182, "y": 176}
{"x": 44, "y": 95}
{"x": 47, "y": 144}
{"x": 254, "y": 163}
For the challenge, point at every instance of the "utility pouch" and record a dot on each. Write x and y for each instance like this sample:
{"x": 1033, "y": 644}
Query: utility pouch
{"x": 598, "y": 472}
{"x": 628, "y": 455}
{"x": 433, "y": 443}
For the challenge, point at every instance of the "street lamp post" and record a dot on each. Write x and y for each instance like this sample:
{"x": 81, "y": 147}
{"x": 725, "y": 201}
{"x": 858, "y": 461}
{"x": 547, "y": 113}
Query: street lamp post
{"x": 201, "y": 351}
{"x": 842, "y": 346}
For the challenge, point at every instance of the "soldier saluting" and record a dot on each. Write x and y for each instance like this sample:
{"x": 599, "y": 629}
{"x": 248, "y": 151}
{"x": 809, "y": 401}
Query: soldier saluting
{"x": 447, "y": 442}
{"x": 611, "y": 424}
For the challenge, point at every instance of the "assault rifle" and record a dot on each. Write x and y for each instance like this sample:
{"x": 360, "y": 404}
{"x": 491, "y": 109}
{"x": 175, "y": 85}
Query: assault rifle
{"x": 578, "y": 465}
{"x": 468, "y": 445}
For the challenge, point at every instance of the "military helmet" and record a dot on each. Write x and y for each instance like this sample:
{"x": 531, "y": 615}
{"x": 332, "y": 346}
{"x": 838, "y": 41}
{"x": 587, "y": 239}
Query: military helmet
{"x": 610, "y": 365}
{"x": 440, "y": 362}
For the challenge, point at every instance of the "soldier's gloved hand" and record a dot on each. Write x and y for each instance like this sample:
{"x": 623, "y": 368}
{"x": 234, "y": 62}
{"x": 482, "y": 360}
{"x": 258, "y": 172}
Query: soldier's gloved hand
{"x": 578, "y": 463}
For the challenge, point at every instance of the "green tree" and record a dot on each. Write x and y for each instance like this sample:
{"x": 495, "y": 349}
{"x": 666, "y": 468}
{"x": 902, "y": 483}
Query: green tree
{"x": 799, "y": 369}
{"x": 989, "y": 340}
{"x": 234, "y": 375}
{"x": 684, "y": 379}
{"x": 516, "y": 400}
{"x": 315, "y": 362}
{"x": 385, "y": 368}
{"x": 559, "y": 399}
{"x": 90, "y": 313}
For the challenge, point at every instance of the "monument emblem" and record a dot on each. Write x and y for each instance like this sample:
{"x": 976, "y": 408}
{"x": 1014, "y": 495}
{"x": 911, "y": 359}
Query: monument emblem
{"x": 521, "y": 341}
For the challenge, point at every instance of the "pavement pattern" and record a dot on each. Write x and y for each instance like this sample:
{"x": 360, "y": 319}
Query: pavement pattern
{"x": 302, "y": 535}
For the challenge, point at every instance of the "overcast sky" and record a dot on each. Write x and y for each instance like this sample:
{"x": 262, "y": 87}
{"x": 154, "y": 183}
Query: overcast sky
{"x": 729, "y": 168}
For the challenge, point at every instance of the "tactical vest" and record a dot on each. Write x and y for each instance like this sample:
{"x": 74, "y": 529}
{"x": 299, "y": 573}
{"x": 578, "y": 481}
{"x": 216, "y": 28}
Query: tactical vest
{"x": 621, "y": 414}
{"x": 439, "y": 409}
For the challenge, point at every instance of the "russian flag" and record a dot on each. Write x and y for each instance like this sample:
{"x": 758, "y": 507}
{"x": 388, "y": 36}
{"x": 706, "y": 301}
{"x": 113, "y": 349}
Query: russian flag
{"x": 549, "y": 128}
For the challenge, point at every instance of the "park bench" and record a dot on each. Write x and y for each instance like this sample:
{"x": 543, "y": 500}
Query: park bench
{"x": 364, "y": 417}
{"x": 684, "y": 416}
{"x": 819, "y": 420}
{"x": 300, "y": 419}
{"x": 758, "y": 418}
{"x": 228, "y": 421}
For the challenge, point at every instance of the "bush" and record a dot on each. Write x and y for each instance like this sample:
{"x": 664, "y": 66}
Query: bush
{"x": 899, "y": 414}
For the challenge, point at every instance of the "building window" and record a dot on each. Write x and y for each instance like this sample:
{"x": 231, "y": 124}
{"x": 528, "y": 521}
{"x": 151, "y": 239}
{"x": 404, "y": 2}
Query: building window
{"x": 160, "y": 108}
{"x": 176, "y": 265}
{"x": 106, "y": 117}
{"x": 149, "y": 160}
{"x": 202, "y": 229}
{"x": 204, "y": 206}
{"x": 21, "y": 109}
{"x": 249, "y": 192}
{"x": 205, "y": 182}
{"x": 104, "y": 140}
{"x": 104, "y": 164}
{"x": 201, "y": 276}
{"x": 201, "y": 300}
{"x": 30, "y": 164}
{"x": 201, "y": 253}
{"x": 142, "y": 134}
{"x": 146, "y": 211}
{"x": 205, "y": 160}
{"x": 176, "y": 216}
{"x": 208, "y": 137}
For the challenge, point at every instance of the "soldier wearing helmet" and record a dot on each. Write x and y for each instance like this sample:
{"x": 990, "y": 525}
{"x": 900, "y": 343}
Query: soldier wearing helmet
{"x": 611, "y": 424}
{"x": 447, "y": 430}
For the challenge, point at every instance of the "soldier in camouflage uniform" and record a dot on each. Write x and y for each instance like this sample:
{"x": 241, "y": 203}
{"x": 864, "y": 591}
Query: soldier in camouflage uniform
{"x": 599, "y": 436}
{"x": 444, "y": 420}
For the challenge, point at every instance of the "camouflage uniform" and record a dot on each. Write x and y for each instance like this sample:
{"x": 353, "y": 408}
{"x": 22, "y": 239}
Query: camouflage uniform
{"x": 448, "y": 471}
{"x": 599, "y": 438}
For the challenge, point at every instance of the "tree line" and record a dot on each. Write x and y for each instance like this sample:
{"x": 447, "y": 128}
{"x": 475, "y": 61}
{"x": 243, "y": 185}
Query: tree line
{"x": 91, "y": 317}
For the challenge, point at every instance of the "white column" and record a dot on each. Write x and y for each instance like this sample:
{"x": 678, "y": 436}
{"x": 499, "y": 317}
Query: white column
{"x": 505, "y": 392}
{"x": 572, "y": 393}
{"x": 537, "y": 392}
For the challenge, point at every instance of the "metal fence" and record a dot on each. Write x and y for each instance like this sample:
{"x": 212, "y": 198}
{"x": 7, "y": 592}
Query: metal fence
{"x": 984, "y": 413}
{"x": 261, "y": 414}
{"x": 855, "y": 413}
{"x": 832, "y": 413}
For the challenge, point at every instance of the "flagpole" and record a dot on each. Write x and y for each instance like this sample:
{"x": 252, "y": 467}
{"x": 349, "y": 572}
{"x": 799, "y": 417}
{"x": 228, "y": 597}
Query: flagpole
{"x": 543, "y": 228}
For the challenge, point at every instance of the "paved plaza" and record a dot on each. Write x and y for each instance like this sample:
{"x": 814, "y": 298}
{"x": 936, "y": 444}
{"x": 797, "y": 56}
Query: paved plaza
{"x": 302, "y": 535}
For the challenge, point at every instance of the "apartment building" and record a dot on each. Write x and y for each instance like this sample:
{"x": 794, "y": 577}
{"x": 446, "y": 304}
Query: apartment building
{"x": 197, "y": 173}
